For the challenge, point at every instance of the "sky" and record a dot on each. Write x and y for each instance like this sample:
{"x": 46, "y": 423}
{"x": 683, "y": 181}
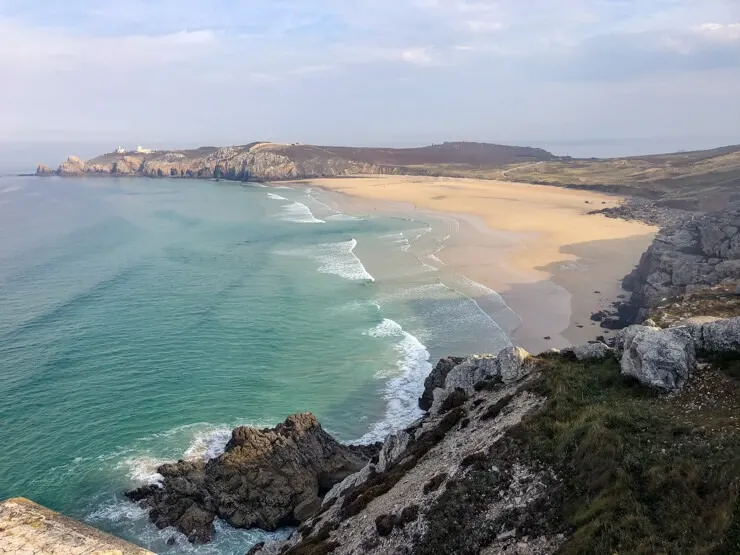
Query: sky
{"x": 574, "y": 75}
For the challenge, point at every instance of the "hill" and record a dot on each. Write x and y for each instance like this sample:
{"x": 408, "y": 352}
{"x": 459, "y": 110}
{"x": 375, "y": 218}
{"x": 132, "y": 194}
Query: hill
{"x": 271, "y": 161}
{"x": 705, "y": 180}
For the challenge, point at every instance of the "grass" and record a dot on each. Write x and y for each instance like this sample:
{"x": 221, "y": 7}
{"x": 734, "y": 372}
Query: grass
{"x": 643, "y": 474}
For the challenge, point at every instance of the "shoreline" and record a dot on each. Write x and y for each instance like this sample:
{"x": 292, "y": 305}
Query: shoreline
{"x": 534, "y": 260}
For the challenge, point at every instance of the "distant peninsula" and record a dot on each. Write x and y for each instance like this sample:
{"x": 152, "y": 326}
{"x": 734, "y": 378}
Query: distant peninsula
{"x": 271, "y": 161}
{"x": 705, "y": 180}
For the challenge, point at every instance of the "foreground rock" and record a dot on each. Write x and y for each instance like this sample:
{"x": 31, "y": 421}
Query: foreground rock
{"x": 661, "y": 359}
{"x": 265, "y": 479}
{"x": 30, "y": 529}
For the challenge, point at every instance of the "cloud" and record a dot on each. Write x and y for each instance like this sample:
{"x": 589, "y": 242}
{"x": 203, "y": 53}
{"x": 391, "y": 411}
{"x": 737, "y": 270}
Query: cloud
{"x": 720, "y": 32}
{"x": 418, "y": 56}
{"x": 486, "y": 69}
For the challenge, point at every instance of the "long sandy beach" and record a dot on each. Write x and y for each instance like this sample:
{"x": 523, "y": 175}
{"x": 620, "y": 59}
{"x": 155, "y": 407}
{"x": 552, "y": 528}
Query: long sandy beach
{"x": 537, "y": 246}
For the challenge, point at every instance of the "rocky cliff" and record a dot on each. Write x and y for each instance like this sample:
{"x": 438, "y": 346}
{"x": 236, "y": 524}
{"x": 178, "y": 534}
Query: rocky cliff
{"x": 580, "y": 451}
{"x": 690, "y": 255}
{"x": 271, "y": 161}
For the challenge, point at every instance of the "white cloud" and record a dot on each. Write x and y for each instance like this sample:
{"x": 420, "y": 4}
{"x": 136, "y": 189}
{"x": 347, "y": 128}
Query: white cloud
{"x": 719, "y": 32}
{"x": 300, "y": 66}
{"x": 417, "y": 56}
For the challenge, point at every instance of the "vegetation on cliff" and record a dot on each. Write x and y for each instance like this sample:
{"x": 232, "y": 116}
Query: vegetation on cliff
{"x": 643, "y": 473}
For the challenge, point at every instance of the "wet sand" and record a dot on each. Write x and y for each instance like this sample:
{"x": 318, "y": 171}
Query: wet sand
{"x": 537, "y": 246}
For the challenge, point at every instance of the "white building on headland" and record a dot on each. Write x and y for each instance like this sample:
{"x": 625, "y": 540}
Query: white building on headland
{"x": 141, "y": 150}
{"x": 120, "y": 150}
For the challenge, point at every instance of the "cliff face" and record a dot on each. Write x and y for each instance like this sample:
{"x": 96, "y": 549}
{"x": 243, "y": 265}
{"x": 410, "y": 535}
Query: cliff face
{"x": 270, "y": 161}
{"x": 261, "y": 162}
{"x": 693, "y": 254}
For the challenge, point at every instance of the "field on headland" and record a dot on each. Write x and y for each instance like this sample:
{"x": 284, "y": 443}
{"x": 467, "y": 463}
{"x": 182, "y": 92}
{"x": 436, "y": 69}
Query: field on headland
{"x": 536, "y": 245}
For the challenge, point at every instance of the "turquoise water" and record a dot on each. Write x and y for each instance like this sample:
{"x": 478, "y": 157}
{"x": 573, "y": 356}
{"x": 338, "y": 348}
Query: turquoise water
{"x": 140, "y": 320}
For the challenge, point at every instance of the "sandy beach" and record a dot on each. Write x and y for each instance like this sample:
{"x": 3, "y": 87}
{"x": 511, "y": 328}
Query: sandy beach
{"x": 537, "y": 246}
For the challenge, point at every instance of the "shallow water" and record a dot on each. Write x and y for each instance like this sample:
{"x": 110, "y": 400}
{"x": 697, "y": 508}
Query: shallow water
{"x": 140, "y": 320}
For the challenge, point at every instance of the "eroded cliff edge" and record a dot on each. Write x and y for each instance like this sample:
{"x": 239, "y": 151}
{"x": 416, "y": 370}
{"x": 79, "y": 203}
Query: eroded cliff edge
{"x": 596, "y": 449}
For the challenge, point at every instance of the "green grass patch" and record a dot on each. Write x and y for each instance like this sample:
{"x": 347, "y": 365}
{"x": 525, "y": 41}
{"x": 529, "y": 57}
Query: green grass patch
{"x": 642, "y": 473}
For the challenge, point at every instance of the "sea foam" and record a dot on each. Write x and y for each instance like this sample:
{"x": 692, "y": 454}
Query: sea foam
{"x": 273, "y": 196}
{"x": 403, "y": 390}
{"x": 300, "y": 213}
{"x": 340, "y": 259}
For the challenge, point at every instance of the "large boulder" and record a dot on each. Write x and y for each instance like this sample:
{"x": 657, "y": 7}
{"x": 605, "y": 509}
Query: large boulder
{"x": 265, "y": 479}
{"x": 661, "y": 359}
{"x": 721, "y": 337}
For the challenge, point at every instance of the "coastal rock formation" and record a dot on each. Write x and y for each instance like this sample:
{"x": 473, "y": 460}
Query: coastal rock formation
{"x": 696, "y": 253}
{"x": 661, "y": 359}
{"x": 43, "y": 169}
{"x": 265, "y": 478}
{"x": 396, "y": 504}
{"x": 72, "y": 166}
{"x": 437, "y": 379}
{"x": 508, "y": 366}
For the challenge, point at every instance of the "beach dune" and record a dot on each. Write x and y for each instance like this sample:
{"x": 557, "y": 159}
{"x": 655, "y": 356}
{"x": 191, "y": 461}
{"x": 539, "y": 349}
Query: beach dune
{"x": 536, "y": 245}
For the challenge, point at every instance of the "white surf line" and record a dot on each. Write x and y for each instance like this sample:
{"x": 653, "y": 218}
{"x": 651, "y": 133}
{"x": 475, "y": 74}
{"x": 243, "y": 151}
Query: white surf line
{"x": 402, "y": 391}
{"x": 298, "y": 212}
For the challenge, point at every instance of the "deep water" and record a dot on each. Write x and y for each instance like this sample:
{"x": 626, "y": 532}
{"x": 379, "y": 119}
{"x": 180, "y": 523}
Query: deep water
{"x": 140, "y": 320}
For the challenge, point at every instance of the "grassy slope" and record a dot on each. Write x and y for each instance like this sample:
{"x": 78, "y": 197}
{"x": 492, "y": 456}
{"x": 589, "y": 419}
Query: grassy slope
{"x": 644, "y": 473}
{"x": 639, "y": 472}
{"x": 703, "y": 179}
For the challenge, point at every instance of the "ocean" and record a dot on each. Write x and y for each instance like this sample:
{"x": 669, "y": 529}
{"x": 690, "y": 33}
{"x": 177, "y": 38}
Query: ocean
{"x": 141, "y": 320}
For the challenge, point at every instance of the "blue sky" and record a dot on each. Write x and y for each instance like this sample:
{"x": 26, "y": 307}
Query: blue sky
{"x": 394, "y": 72}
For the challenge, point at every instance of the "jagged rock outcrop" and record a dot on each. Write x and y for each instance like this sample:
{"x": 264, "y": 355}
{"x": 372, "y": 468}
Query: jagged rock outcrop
{"x": 697, "y": 252}
{"x": 508, "y": 366}
{"x": 390, "y": 506}
{"x": 44, "y": 170}
{"x": 72, "y": 166}
{"x": 437, "y": 379}
{"x": 265, "y": 478}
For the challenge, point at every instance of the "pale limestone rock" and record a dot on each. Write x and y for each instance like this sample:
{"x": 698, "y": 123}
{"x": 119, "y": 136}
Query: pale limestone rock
{"x": 661, "y": 359}
{"x": 26, "y": 527}
{"x": 721, "y": 337}
{"x": 512, "y": 364}
{"x": 590, "y": 351}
